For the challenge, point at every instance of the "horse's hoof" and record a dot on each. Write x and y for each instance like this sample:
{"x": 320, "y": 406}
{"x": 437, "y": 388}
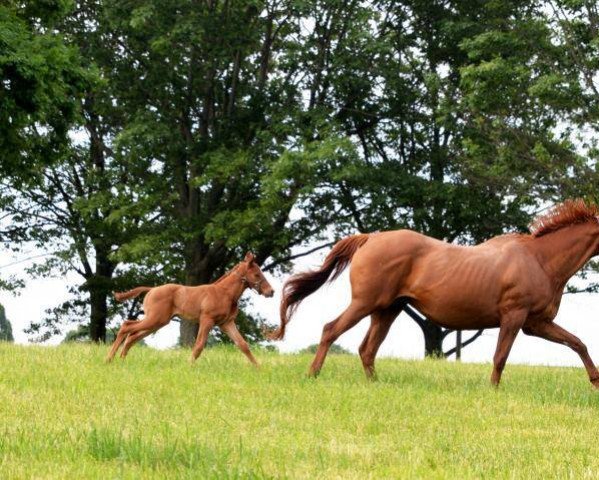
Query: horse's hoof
{"x": 595, "y": 383}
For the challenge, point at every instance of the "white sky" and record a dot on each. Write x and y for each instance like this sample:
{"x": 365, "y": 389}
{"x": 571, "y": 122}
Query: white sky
{"x": 577, "y": 314}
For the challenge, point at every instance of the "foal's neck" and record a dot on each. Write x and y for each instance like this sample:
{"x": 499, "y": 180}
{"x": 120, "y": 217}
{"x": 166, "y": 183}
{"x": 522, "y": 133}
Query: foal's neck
{"x": 565, "y": 251}
{"x": 233, "y": 286}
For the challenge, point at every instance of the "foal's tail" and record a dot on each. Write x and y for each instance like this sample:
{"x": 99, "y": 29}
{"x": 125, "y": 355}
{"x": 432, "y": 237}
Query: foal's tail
{"x": 301, "y": 285}
{"x": 122, "y": 296}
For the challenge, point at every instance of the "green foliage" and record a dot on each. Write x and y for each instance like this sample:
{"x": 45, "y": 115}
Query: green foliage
{"x": 335, "y": 349}
{"x": 421, "y": 419}
{"x": 42, "y": 80}
{"x": 5, "y": 327}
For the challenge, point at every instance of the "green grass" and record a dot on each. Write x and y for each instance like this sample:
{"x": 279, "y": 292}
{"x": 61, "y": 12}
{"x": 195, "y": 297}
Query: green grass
{"x": 66, "y": 414}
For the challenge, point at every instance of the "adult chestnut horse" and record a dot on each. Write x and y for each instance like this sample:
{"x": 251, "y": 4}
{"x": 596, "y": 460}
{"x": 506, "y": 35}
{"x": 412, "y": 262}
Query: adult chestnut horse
{"x": 514, "y": 282}
{"x": 210, "y": 305}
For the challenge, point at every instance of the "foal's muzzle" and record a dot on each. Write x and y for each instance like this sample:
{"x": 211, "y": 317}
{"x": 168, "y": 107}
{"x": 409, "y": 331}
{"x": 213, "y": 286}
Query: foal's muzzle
{"x": 268, "y": 292}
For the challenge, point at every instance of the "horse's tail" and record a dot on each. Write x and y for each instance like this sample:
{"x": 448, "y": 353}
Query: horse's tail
{"x": 301, "y": 285}
{"x": 122, "y": 296}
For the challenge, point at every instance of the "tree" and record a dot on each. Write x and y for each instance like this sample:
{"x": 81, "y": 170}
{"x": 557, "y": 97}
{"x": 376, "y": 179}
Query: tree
{"x": 176, "y": 166}
{"x": 64, "y": 205}
{"x": 5, "y": 327}
{"x": 217, "y": 119}
{"x": 456, "y": 136}
{"x": 41, "y": 80}
{"x": 553, "y": 76}
{"x": 210, "y": 128}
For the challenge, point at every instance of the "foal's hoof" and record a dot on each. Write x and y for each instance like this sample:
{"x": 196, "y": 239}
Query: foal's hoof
{"x": 595, "y": 383}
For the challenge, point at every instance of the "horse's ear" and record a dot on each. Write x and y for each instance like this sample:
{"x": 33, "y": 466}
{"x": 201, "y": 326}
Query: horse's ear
{"x": 249, "y": 257}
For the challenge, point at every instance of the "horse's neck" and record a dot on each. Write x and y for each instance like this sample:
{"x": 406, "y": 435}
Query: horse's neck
{"x": 565, "y": 251}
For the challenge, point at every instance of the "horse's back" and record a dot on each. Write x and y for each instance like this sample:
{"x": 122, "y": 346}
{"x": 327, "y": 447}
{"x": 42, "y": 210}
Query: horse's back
{"x": 451, "y": 284}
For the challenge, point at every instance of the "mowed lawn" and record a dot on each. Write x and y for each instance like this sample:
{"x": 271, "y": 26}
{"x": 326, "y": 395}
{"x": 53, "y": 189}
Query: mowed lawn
{"x": 66, "y": 414}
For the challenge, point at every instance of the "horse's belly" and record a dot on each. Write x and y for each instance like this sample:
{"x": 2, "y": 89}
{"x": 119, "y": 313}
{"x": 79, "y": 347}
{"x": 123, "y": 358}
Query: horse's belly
{"x": 460, "y": 312}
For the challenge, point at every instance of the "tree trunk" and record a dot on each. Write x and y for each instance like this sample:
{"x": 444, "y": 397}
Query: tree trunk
{"x": 433, "y": 339}
{"x": 99, "y": 289}
{"x": 433, "y": 334}
{"x": 99, "y": 313}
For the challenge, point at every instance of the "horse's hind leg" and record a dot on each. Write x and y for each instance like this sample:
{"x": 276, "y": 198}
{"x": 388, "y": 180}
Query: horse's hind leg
{"x": 120, "y": 337}
{"x": 331, "y": 332}
{"x": 380, "y": 323}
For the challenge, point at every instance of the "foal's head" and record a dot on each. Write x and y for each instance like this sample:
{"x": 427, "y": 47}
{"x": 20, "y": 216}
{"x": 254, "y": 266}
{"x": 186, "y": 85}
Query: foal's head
{"x": 250, "y": 272}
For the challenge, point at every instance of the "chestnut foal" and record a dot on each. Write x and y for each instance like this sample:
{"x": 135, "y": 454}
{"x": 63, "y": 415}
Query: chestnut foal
{"x": 210, "y": 305}
{"x": 512, "y": 282}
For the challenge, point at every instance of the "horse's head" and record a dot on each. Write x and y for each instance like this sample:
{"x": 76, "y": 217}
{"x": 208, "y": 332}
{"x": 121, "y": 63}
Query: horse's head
{"x": 254, "y": 277}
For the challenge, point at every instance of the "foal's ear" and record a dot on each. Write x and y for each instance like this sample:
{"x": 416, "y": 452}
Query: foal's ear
{"x": 249, "y": 257}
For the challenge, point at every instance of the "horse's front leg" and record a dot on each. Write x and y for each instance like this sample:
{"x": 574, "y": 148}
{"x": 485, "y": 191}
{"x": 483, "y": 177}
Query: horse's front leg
{"x": 206, "y": 324}
{"x": 509, "y": 326}
{"x": 554, "y": 333}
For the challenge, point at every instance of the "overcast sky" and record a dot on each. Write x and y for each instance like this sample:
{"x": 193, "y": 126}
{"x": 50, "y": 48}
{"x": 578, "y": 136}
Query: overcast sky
{"x": 578, "y": 314}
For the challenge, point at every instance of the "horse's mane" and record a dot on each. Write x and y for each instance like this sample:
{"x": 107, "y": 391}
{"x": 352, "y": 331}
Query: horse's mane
{"x": 570, "y": 212}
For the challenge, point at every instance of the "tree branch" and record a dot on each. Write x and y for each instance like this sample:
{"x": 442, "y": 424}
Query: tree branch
{"x": 272, "y": 265}
{"x": 464, "y": 344}
{"x": 415, "y": 316}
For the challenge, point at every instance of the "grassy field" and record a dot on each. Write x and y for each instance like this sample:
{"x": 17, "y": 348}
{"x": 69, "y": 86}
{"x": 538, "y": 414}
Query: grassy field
{"x": 66, "y": 414}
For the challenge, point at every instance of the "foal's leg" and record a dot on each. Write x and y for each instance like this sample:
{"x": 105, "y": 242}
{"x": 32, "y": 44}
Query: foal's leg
{"x": 120, "y": 337}
{"x": 554, "y": 333}
{"x": 231, "y": 330}
{"x": 510, "y": 325}
{"x": 331, "y": 332}
{"x": 206, "y": 324}
{"x": 380, "y": 323}
{"x": 134, "y": 338}
{"x": 151, "y": 323}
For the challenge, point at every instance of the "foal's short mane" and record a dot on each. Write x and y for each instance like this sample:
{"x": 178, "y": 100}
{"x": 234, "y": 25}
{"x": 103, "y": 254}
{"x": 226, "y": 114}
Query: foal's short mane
{"x": 222, "y": 277}
{"x": 563, "y": 214}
